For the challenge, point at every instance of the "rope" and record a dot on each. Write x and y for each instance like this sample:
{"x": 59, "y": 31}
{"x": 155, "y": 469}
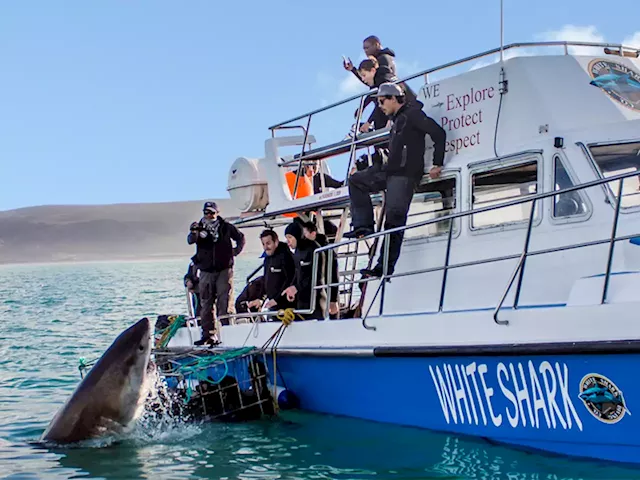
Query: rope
{"x": 84, "y": 365}
{"x": 177, "y": 321}
{"x": 287, "y": 317}
{"x": 198, "y": 368}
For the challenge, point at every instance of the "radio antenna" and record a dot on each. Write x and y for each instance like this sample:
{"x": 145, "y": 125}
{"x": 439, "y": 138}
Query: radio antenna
{"x": 501, "y": 32}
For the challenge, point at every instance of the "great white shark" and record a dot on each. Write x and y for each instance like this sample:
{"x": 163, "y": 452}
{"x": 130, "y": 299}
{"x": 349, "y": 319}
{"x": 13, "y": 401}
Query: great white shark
{"x": 113, "y": 392}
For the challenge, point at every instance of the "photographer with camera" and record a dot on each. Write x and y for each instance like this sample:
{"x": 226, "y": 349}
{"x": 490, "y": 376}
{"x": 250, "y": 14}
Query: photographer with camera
{"x": 214, "y": 257}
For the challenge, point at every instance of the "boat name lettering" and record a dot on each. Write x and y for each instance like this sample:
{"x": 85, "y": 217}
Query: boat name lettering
{"x": 536, "y": 396}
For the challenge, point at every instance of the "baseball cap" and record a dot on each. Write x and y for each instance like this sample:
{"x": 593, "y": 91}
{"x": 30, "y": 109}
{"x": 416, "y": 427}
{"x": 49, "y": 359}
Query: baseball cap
{"x": 389, "y": 90}
{"x": 210, "y": 206}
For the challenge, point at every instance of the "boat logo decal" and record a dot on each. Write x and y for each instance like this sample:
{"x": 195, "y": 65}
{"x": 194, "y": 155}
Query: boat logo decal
{"x": 619, "y": 81}
{"x": 602, "y": 398}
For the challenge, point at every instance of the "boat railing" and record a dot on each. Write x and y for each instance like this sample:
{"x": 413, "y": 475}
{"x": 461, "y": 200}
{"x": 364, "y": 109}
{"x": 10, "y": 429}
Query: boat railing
{"x": 522, "y": 257}
{"x": 380, "y": 136}
{"x": 330, "y": 250}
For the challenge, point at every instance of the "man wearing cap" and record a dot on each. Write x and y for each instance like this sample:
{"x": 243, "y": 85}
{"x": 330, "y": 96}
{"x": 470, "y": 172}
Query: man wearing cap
{"x": 401, "y": 173}
{"x": 214, "y": 257}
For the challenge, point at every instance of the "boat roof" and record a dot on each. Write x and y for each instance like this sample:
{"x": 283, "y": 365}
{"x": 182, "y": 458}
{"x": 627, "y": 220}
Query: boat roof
{"x": 497, "y": 109}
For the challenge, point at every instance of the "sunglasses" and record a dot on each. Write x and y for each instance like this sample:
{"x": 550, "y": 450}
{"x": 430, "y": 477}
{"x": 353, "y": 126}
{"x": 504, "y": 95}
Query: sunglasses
{"x": 381, "y": 100}
{"x": 209, "y": 212}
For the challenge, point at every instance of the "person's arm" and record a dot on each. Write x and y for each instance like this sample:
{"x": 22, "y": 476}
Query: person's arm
{"x": 357, "y": 74}
{"x": 238, "y": 237}
{"x": 331, "y": 182}
{"x": 427, "y": 125}
{"x": 193, "y": 235}
{"x": 290, "y": 271}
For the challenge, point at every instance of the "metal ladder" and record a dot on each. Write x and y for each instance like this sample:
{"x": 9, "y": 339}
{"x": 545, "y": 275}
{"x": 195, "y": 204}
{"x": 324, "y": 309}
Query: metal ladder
{"x": 348, "y": 259}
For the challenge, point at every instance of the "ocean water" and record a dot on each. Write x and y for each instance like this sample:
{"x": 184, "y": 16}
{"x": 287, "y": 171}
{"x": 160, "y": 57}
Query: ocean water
{"x": 51, "y": 315}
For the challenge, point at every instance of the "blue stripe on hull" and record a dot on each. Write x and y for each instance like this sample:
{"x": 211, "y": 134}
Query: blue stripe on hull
{"x": 579, "y": 405}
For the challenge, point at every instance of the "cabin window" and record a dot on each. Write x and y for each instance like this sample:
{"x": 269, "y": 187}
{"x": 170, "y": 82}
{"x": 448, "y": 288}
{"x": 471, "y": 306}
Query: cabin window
{"x": 567, "y": 204}
{"x": 618, "y": 159}
{"x": 502, "y": 185}
{"x": 433, "y": 199}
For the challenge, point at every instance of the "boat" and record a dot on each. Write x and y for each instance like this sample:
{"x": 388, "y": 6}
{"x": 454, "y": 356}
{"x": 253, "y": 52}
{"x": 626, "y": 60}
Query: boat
{"x": 513, "y": 311}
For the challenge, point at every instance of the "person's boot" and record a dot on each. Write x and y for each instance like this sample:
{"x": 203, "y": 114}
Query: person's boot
{"x": 211, "y": 339}
{"x": 375, "y": 272}
{"x": 359, "y": 232}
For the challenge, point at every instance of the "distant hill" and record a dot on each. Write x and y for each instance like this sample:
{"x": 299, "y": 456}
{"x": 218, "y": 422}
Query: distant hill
{"x": 137, "y": 231}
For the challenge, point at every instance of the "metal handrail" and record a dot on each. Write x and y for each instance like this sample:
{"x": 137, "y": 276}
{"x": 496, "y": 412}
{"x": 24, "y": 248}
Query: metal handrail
{"x": 451, "y": 217}
{"x": 461, "y": 61}
{"x": 520, "y": 267}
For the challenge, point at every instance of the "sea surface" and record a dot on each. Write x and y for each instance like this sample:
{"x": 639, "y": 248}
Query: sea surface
{"x": 52, "y": 315}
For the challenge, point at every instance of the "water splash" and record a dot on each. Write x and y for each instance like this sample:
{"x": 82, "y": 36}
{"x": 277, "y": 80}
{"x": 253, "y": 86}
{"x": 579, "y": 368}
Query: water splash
{"x": 164, "y": 417}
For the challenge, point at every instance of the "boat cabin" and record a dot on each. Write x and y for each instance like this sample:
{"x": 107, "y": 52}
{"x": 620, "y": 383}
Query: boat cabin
{"x": 518, "y": 130}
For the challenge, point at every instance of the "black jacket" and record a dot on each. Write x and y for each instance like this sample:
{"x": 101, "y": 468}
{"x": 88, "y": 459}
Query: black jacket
{"x": 303, "y": 258}
{"x": 385, "y": 58}
{"x": 385, "y": 75}
{"x": 407, "y": 142}
{"x": 329, "y": 182}
{"x": 253, "y": 291}
{"x": 279, "y": 272}
{"x": 217, "y": 256}
{"x": 192, "y": 274}
{"x": 322, "y": 241}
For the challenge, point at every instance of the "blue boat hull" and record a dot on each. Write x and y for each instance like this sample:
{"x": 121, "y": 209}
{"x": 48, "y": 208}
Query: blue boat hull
{"x": 578, "y": 405}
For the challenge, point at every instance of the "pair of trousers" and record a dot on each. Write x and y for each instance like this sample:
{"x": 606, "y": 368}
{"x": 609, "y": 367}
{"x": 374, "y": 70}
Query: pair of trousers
{"x": 216, "y": 288}
{"x": 398, "y": 200}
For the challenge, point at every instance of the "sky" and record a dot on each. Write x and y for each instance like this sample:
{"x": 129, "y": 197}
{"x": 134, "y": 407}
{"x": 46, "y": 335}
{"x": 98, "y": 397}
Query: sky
{"x": 114, "y": 101}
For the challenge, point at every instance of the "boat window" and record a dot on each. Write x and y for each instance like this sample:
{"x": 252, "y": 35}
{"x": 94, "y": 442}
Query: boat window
{"x": 433, "y": 199}
{"x": 501, "y": 185}
{"x": 616, "y": 160}
{"x": 567, "y": 204}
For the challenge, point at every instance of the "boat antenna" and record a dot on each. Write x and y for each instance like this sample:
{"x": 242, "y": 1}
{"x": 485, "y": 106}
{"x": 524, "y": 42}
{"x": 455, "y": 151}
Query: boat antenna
{"x": 501, "y": 32}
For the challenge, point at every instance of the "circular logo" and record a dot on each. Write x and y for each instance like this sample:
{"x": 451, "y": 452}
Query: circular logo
{"x": 619, "y": 81}
{"x": 603, "y": 398}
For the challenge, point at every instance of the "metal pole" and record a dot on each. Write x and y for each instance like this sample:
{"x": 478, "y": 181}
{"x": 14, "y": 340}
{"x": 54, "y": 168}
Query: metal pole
{"x": 612, "y": 243}
{"x": 501, "y": 32}
{"x": 329, "y": 267}
{"x": 385, "y": 269}
{"x": 304, "y": 144}
{"x": 446, "y": 266}
{"x": 525, "y": 252}
{"x": 355, "y": 138}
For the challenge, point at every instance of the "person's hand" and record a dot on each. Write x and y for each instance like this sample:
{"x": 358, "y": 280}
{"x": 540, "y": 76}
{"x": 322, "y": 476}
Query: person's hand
{"x": 435, "y": 172}
{"x": 290, "y": 293}
{"x": 347, "y": 65}
{"x": 270, "y": 304}
{"x": 365, "y": 127}
{"x": 254, "y": 303}
{"x": 189, "y": 284}
{"x": 333, "y": 308}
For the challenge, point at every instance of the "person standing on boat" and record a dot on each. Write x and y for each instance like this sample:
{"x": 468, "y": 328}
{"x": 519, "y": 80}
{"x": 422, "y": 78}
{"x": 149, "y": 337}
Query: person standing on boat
{"x": 375, "y": 75}
{"x": 214, "y": 257}
{"x": 301, "y": 289}
{"x": 401, "y": 174}
{"x": 373, "y": 48}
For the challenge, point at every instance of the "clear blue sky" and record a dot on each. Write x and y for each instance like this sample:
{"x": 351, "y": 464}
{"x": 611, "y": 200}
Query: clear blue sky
{"x": 118, "y": 101}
